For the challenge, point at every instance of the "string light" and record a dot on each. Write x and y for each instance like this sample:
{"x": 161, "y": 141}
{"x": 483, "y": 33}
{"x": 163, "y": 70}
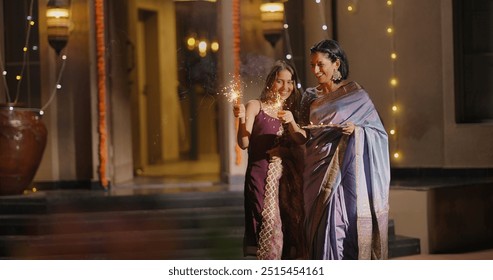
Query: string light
{"x": 322, "y": 14}
{"x": 25, "y": 50}
{"x": 352, "y": 6}
{"x": 393, "y": 82}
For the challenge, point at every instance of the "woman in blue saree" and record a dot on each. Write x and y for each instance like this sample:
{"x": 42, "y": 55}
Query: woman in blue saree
{"x": 347, "y": 170}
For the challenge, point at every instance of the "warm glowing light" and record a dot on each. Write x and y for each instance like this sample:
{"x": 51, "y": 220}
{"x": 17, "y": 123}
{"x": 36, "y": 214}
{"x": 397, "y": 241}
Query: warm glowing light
{"x": 4, "y": 73}
{"x": 392, "y": 131}
{"x": 393, "y": 55}
{"x": 350, "y": 8}
{"x": 389, "y": 3}
{"x": 390, "y": 30}
{"x": 35, "y": 190}
{"x": 24, "y": 49}
{"x": 214, "y": 46}
{"x": 286, "y": 26}
{"x": 396, "y": 155}
{"x": 64, "y": 57}
{"x": 57, "y": 13}
{"x": 317, "y": 1}
{"x": 324, "y": 27}
{"x": 272, "y": 7}
{"x": 18, "y": 77}
{"x": 58, "y": 26}
{"x": 289, "y": 56}
{"x": 191, "y": 43}
{"x": 393, "y": 82}
{"x": 394, "y": 108}
{"x": 202, "y": 46}
{"x": 31, "y": 23}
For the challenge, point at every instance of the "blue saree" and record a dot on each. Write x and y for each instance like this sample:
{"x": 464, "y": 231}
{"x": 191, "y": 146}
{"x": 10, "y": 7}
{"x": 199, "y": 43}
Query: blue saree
{"x": 346, "y": 178}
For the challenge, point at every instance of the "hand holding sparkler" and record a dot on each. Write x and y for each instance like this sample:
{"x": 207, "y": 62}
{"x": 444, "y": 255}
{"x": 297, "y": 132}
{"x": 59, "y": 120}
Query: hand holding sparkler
{"x": 239, "y": 110}
{"x": 285, "y": 116}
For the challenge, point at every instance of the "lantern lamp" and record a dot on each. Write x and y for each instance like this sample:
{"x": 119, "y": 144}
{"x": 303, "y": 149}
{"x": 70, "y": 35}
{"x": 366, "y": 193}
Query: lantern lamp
{"x": 272, "y": 16}
{"x": 58, "y": 23}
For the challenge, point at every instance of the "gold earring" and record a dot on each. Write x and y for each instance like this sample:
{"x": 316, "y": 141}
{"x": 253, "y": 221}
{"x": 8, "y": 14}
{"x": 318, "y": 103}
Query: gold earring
{"x": 336, "y": 76}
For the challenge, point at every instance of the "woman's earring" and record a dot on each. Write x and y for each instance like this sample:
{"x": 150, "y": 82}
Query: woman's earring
{"x": 336, "y": 76}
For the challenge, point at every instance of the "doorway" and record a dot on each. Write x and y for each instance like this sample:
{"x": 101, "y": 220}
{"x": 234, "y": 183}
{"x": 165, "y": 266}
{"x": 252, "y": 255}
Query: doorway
{"x": 173, "y": 81}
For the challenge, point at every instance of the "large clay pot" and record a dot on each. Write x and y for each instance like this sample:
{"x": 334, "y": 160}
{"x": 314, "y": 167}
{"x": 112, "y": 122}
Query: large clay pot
{"x": 22, "y": 143}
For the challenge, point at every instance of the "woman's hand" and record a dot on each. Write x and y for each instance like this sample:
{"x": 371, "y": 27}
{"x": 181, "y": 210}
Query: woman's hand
{"x": 285, "y": 116}
{"x": 239, "y": 110}
{"x": 348, "y": 128}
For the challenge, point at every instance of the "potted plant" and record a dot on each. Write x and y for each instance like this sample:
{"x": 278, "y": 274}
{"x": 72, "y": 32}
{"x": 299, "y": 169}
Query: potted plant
{"x": 22, "y": 132}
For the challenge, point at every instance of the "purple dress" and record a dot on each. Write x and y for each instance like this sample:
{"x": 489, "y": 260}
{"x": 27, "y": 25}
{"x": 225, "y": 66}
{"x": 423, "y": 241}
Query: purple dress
{"x": 262, "y": 139}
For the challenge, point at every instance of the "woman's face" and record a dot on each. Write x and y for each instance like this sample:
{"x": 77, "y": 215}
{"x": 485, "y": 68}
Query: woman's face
{"x": 283, "y": 84}
{"x": 322, "y": 67}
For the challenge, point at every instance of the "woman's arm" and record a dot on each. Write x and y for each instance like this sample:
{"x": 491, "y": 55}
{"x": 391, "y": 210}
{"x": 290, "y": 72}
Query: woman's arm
{"x": 246, "y": 115}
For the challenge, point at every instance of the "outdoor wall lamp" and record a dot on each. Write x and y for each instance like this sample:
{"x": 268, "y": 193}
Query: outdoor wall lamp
{"x": 272, "y": 16}
{"x": 58, "y": 23}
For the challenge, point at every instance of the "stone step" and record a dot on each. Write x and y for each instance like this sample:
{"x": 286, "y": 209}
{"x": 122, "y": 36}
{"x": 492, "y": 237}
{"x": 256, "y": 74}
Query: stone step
{"x": 159, "y": 219}
{"x": 159, "y": 244}
{"x": 76, "y": 201}
{"x": 403, "y": 246}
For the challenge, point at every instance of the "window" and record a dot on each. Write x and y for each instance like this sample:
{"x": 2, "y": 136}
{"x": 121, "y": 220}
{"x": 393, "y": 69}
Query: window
{"x": 473, "y": 51}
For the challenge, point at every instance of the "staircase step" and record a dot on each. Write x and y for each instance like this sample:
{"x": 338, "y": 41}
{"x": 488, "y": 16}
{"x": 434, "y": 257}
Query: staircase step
{"x": 403, "y": 246}
{"x": 162, "y": 243}
{"x": 121, "y": 221}
{"x": 76, "y": 201}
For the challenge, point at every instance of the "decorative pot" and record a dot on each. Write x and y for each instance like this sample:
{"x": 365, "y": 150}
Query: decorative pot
{"x": 22, "y": 143}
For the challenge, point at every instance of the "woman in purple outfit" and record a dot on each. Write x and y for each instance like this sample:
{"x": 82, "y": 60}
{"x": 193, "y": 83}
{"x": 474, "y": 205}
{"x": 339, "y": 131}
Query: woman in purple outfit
{"x": 273, "y": 187}
{"x": 347, "y": 171}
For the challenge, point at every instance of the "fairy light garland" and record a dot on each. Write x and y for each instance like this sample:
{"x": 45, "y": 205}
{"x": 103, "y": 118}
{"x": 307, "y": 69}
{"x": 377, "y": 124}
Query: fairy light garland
{"x": 321, "y": 9}
{"x": 393, "y": 82}
{"x": 30, "y": 23}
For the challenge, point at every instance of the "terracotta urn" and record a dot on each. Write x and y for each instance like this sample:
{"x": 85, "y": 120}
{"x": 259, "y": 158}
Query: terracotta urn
{"x": 22, "y": 143}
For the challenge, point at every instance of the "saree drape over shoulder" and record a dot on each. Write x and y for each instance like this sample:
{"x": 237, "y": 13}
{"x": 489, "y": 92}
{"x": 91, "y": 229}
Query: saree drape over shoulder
{"x": 346, "y": 178}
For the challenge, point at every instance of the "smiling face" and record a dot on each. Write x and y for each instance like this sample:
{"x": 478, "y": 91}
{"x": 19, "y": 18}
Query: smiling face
{"x": 323, "y": 68}
{"x": 283, "y": 84}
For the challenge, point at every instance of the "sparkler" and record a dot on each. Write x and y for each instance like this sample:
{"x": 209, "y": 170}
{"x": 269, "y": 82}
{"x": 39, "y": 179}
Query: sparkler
{"x": 233, "y": 91}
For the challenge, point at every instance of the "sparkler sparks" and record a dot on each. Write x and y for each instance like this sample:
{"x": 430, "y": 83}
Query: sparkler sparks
{"x": 233, "y": 91}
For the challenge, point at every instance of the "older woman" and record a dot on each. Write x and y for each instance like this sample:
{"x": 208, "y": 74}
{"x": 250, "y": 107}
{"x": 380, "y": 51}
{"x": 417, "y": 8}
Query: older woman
{"x": 347, "y": 170}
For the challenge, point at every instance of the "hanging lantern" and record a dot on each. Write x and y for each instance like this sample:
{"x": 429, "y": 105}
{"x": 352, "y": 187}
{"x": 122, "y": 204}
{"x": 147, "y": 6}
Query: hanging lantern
{"x": 58, "y": 23}
{"x": 272, "y": 16}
